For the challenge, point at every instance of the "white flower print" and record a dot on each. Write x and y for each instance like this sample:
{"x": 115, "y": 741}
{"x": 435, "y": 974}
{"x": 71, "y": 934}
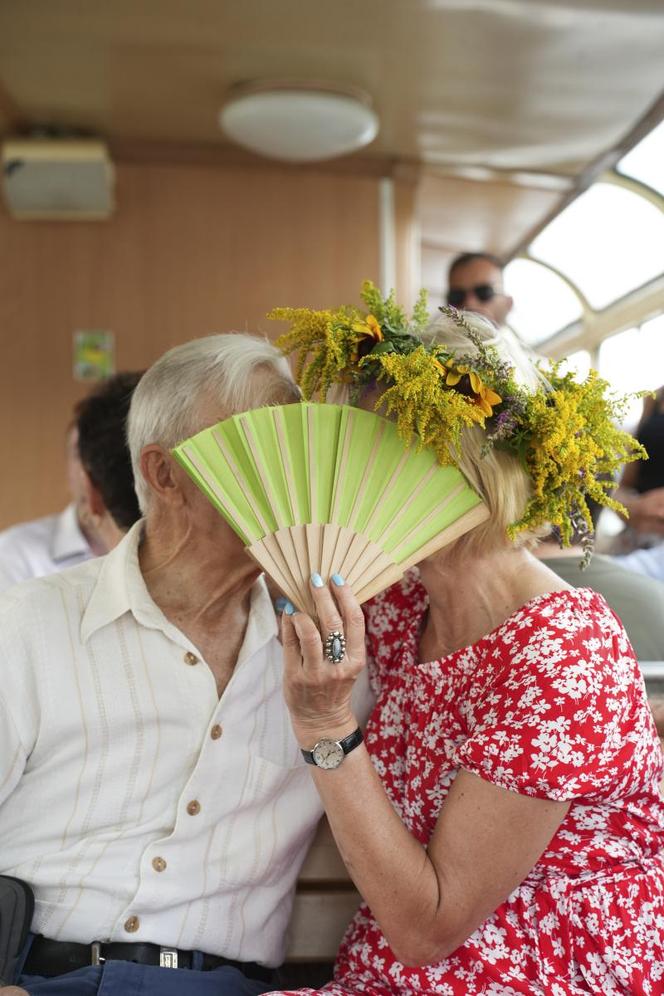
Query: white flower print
{"x": 550, "y": 704}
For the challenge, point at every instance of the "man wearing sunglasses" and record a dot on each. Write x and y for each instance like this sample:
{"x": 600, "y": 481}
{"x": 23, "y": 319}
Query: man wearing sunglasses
{"x": 475, "y": 283}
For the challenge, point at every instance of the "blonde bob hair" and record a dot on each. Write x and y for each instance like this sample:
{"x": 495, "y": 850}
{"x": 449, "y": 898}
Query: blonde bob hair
{"x": 497, "y": 476}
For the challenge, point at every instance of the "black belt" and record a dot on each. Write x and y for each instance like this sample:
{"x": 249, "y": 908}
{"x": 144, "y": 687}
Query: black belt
{"x": 49, "y": 958}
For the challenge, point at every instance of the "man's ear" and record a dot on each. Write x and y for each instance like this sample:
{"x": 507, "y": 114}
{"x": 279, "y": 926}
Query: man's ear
{"x": 160, "y": 473}
{"x": 93, "y": 497}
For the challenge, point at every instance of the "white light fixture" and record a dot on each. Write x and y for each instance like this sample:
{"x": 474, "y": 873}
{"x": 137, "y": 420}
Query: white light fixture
{"x": 299, "y": 122}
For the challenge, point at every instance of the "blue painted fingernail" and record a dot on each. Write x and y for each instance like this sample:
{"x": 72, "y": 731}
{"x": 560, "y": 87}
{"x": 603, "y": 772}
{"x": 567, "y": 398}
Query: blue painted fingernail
{"x": 280, "y": 603}
{"x": 338, "y": 580}
{"x": 317, "y": 581}
{"x": 289, "y": 609}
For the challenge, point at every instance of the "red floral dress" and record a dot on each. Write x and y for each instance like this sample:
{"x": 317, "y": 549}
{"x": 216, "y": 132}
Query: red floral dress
{"x": 550, "y": 704}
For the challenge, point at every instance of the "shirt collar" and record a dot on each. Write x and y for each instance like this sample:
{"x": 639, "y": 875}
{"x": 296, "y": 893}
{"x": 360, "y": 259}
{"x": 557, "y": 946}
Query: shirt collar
{"x": 67, "y": 540}
{"x": 111, "y": 596}
{"x": 262, "y": 624}
{"x": 121, "y": 588}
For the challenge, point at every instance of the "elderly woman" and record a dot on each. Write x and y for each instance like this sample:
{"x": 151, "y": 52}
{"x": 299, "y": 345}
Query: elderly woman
{"x": 502, "y": 818}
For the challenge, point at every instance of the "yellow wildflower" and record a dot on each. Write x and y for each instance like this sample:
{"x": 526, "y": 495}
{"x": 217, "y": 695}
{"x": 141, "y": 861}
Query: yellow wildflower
{"x": 454, "y": 373}
{"x": 369, "y": 327}
{"x": 366, "y": 328}
{"x": 485, "y": 398}
{"x": 564, "y": 434}
{"x": 421, "y": 407}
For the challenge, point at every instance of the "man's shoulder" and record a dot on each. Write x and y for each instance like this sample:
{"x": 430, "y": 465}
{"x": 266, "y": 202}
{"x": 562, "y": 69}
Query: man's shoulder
{"x": 27, "y": 534}
{"x": 72, "y": 583}
{"x": 25, "y": 550}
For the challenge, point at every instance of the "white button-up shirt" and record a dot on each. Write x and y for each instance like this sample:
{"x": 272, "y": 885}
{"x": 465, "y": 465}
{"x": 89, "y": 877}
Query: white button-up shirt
{"x": 128, "y": 788}
{"x": 42, "y": 546}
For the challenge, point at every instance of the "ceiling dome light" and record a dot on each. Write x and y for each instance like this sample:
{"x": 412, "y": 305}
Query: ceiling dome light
{"x": 298, "y": 122}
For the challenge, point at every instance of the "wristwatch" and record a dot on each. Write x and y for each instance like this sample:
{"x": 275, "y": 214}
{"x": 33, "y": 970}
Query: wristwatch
{"x": 329, "y": 754}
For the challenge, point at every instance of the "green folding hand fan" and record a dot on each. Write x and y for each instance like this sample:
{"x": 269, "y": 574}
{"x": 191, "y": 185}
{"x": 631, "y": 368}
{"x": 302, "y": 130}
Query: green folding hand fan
{"x": 332, "y": 489}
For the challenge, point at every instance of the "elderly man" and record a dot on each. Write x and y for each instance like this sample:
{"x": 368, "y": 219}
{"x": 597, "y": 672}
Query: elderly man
{"x": 151, "y": 789}
{"x": 475, "y": 283}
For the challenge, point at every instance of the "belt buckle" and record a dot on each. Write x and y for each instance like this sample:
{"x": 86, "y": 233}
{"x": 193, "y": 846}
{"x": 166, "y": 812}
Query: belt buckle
{"x": 168, "y": 957}
{"x": 96, "y": 957}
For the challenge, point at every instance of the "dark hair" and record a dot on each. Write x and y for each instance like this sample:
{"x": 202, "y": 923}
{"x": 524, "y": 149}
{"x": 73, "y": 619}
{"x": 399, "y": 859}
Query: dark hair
{"x": 470, "y": 257}
{"x": 102, "y": 445}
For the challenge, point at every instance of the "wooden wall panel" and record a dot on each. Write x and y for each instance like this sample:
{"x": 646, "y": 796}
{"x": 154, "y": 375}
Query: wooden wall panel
{"x": 191, "y": 250}
{"x": 407, "y": 242}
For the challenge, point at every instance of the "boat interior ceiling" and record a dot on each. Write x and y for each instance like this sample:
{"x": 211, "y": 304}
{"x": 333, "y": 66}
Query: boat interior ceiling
{"x": 499, "y": 112}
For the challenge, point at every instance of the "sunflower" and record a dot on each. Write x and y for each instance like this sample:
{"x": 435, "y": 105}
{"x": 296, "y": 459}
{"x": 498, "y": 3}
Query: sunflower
{"x": 487, "y": 399}
{"x": 369, "y": 327}
{"x": 473, "y": 385}
{"x": 368, "y": 332}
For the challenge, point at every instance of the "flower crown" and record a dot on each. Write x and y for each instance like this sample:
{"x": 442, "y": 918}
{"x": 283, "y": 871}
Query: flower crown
{"x": 564, "y": 432}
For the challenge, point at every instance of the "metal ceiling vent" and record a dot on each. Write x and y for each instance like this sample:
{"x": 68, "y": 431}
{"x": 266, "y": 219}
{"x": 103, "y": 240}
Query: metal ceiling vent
{"x": 57, "y": 179}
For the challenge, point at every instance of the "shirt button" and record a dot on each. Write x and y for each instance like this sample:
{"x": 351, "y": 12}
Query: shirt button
{"x": 194, "y": 807}
{"x": 132, "y": 924}
{"x": 190, "y": 658}
{"x": 215, "y": 732}
{"x": 159, "y": 864}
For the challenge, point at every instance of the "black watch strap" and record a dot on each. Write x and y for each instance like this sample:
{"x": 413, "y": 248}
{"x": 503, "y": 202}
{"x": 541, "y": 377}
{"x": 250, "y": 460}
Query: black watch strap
{"x": 348, "y": 744}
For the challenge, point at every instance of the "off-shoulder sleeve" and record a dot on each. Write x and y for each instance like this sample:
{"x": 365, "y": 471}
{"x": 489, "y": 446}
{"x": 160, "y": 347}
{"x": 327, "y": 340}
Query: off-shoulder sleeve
{"x": 564, "y": 715}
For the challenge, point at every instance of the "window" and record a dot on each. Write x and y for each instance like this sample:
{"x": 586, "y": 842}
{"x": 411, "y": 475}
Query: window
{"x": 543, "y": 303}
{"x": 578, "y": 363}
{"x": 608, "y": 242}
{"x": 645, "y": 162}
{"x": 634, "y": 361}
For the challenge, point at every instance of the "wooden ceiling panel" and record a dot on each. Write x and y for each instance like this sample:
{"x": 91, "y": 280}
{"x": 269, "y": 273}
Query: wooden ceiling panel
{"x": 459, "y": 85}
{"x": 508, "y": 83}
{"x": 459, "y": 215}
{"x": 435, "y": 264}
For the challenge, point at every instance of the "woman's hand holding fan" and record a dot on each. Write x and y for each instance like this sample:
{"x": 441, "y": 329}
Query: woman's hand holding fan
{"x": 318, "y": 690}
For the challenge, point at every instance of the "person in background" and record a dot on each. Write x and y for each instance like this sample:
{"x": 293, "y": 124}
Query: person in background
{"x": 53, "y": 542}
{"x": 85, "y": 528}
{"x": 641, "y": 491}
{"x": 107, "y": 478}
{"x": 152, "y": 792}
{"x": 649, "y": 562}
{"x": 475, "y": 283}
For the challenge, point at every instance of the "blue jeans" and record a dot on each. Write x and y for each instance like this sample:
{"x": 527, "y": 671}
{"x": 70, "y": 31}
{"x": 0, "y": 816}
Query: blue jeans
{"x": 124, "y": 978}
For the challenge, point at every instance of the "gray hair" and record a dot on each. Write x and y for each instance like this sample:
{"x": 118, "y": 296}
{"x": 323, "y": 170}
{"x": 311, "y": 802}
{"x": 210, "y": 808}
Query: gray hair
{"x": 237, "y": 370}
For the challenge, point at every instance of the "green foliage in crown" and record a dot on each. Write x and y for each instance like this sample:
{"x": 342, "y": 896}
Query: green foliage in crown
{"x": 564, "y": 433}
{"x": 344, "y": 345}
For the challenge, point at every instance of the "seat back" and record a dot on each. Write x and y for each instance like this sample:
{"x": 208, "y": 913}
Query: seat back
{"x": 325, "y": 902}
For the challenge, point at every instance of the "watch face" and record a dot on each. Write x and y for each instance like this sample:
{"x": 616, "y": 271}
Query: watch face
{"x": 327, "y": 754}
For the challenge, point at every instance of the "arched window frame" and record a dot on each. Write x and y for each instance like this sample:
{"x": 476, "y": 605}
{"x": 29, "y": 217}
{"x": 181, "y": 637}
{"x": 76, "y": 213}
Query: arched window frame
{"x": 632, "y": 309}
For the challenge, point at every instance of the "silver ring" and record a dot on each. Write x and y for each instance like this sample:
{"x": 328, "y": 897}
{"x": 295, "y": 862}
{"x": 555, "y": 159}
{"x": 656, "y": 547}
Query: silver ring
{"x": 335, "y": 647}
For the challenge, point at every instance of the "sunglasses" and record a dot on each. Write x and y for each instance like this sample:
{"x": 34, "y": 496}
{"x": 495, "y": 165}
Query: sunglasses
{"x": 483, "y": 292}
